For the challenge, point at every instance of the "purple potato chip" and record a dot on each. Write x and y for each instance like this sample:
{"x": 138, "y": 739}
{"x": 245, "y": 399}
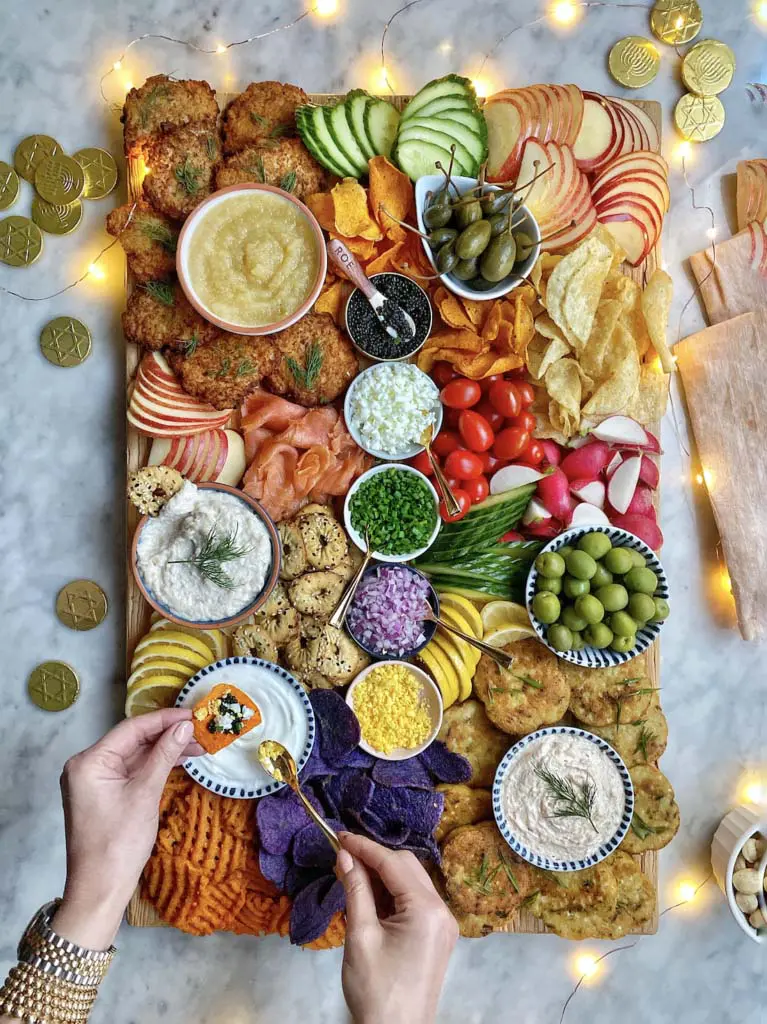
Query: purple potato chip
{"x": 391, "y": 834}
{"x": 359, "y": 759}
{"x": 416, "y": 809}
{"x": 425, "y": 849}
{"x": 322, "y": 790}
{"x": 316, "y": 766}
{"x": 409, "y": 772}
{"x": 274, "y": 867}
{"x": 279, "y": 819}
{"x": 350, "y": 790}
{"x": 445, "y": 765}
{"x": 297, "y": 878}
{"x": 313, "y": 909}
{"x": 337, "y": 726}
{"x": 311, "y": 848}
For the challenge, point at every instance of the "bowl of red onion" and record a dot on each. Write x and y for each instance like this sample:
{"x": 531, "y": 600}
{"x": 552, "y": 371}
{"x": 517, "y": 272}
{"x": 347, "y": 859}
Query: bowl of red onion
{"x": 386, "y": 615}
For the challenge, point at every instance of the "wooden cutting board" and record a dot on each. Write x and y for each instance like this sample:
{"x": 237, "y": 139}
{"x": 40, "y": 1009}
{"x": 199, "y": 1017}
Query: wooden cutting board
{"x": 140, "y": 913}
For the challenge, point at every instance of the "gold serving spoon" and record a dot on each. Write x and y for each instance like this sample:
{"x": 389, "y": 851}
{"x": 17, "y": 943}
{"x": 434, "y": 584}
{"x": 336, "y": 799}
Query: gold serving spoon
{"x": 338, "y": 616}
{"x": 451, "y": 503}
{"x": 277, "y": 761}
{"x": 499, "y": 657}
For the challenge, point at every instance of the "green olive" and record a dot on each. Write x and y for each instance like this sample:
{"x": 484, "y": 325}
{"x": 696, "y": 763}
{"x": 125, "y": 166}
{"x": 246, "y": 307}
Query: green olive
{"x": 642, "y": 581}
{"x": 580, "y": 565}
{"x": 622, "y": 624}
{"x": 437, "y": 215}
{"x": 595, "y": 544}
{"x": 473, "y": 240}
{"x": 572, "y": 619}
{"x": 638, "y": 560}
{"x": 601, "y": 577}
{"x": 613, "y": 596}
{"x": 499, "y": 223}
{"x": 495, "y": 202}
{"x": 565, "y": 550}
{"x": 623, "y": 644}
{"x": 598, "y": 635}
{"x": 573, "y": 588}
{"x": 498, "y": 258}
{"x": 661, "y": 610}
{"x": 525, "y": 246}
{"x": 446, "y": 258}
{"x": 441, "y": 236}
{"x": 467, "y": 213}
{"x": 465, "y": 270}
{"x": 479, "y": 284}
{"x": 551, "y": 583}
{"x": 578, "y": 643}
{"x": 546, "y": 607}
{"x": 618, "y": 560}
{"x": 589, "y": 608}
{"x": 641, "y": 607}
{"x": 560, "y": 637}
{"x": 550, "y": 564}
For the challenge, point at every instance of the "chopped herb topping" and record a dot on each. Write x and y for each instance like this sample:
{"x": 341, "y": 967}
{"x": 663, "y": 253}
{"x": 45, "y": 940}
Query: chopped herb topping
{"x": 212, "y": 148}
{"x": 641, "y": 829}
{"x": 574, "y": 800}
{"x": 160, "y": 291}
{"x": 288, "y": 181}
{"x": 188, "y": 177}
{"x": 190, "y": 346}
{"x": 645, "y": 737}
{"x": 306, "y": 376}
{"x": 259, "y": 119}
{"x": 257, "y": 170}
{"x": 147, "y": 103}
{"x": 214, "y": 552}
{"x": 244, "y": 367}
{"x": 226, "y": 365}
{"x": 160, "y": 233}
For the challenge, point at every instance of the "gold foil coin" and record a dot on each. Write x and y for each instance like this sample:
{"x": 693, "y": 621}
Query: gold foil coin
{"x": 81, "y": 604}
{"x": 100, "y": 172}
{"x": 9, "y": 185}
{"x": 21, "y": 241}
{"x": 707, "y": 68}
{"x": 31, "y": 152}
{"x": 56, "y": 220}
{"x": 53, "y": 686}
{"x": 699, "y": 118}
{"x": 634, "y": 62}
{"x": 59, "y": 180}
{"x": 676, "y": 21}
{"x": 67, "y": 342}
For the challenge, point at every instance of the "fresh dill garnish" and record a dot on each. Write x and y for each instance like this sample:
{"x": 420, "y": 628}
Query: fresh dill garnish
{"x": 288, "y": 181}
{"x": 161, "y": 234}
{"x": 226, "y": 365}
{"x": 531, "y": 898}
{"x": 160, "y": 291}
{"x": 575, "y": 800}
{"x": 306, "y": 376}
{"x": 529, "y": 681}
{"x": 243, "y": 367}
{"x": 525, "y": 680}
{"x": 625, "y": 696}
{"x": 259, "y": 119}
{"x": 257, "y": 170}
{"x": 190, "y": 345}
{"x": 645, "y": 737}
{"x": 279, "y": 131}
{"x": 148, "y": 101}
{"x": 508, "y": 872}
{"x": 188, "y": 176}
{"x": 553, "y": 877}
{"x": 481, "y": 881}
{"x": 215, "y": 551}
{"x": 641, "y": 829}
{"x": 210, "y": 145}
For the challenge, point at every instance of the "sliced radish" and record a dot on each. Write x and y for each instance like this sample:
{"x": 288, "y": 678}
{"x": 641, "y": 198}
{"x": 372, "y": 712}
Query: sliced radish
{"x": 649, "y": 473}
{"x": 621, "y": 430}
{"x": 623, "y": 484}
{"x": 586, "y": 514}
{"x": 552, "y": 453}
{"x": 510, "y": 477}
{"x": 613, "y": 464}
{"x": 591, "y": 491}
{"x": 554, "y": 493}
{"x": 641, "y": 504}
{"x": 535, "y": 513}
{"x": 643, "y": 527}
{"x": 579, "y": 440}
{"x": 586, "y": 463}
{"x": 545, "y": 530}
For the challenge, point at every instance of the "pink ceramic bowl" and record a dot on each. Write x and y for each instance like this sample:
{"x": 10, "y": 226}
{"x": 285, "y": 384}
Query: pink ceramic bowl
{"x": 182, "y": 255}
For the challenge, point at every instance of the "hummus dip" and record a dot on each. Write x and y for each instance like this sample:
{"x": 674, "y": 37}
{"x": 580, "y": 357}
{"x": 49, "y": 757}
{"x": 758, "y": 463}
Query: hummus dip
{"x": 170, "y": 543}
{"x": 534, "y": 812}
{"x": 252, "y": 259}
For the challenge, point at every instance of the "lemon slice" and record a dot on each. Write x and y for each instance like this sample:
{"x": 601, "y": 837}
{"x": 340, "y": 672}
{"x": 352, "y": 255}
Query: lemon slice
{"x": 508, "y": 635}
{"x": 443, "y": 672}
{"x": 215, "y": 639}
{"x": 170, "y": 652}
{"x": 463, "y": 671}
{"x": 464, "y": 607}
{"x": 154, "y": 667}
{"x": 470, "y": 654}
{"x": 500, "y": 614}
{"x": 177, "y": 638}
{"x": 155, "y": 692}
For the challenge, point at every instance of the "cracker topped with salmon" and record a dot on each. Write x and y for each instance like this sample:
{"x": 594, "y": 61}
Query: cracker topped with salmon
{"x": 222, "y": 716}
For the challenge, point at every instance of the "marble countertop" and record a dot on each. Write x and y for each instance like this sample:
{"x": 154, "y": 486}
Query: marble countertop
{"x": 61, "y": 516}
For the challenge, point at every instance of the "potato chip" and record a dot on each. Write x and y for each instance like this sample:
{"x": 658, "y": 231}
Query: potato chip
{"x": 656, "y": 306}
{"x": 493, "y": 321}
{"x": 545, "y": 326}
{"x": 616, "y": 391}
{"x": 462, "y": 340}
{"x": 542, "y": 353}
{"x": 451, "y": 310}
{"x": 594, "y": 355}
{"x": 476, "y": 310}
{"x": 561, "y": 276}
{"x": 648, "y": 406}
{"x": 333, "y": 300}
{"x": 609, "y": 239}
{"x": 633, "y": 318}
{"x": 392, "y": 189}
{"x": 384, "y": 261}
{"x": 322, "y": 206}
{"x": 364, "y": 248}
{"x": 583, "y": 291}
{"x": 352, "y": 217}
{"x": 619, "y": 286}
{"x": 563, "y": 383}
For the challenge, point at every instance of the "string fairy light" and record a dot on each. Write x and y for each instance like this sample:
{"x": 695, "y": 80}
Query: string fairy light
{"x": 761, "y": 11}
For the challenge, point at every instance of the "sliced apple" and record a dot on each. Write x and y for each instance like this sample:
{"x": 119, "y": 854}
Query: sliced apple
{"x": 751, "y": 192}
{"x": 232, "y": 471}
{"x": 646, "y": 122}
{"x": 576, "y": 113}
{"x": 560, "y": 113}
{"x": 537, "y": 196}
{"x": 638, "y": 206}
{"x": 512, "y": 117}
{"x": 601, "y": 135}
{"x": 159, "y": 406}
{"x": 630, "y": 234}
{"x": 758, "y": 245}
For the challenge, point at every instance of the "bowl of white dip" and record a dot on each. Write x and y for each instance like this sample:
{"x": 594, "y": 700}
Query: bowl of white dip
{"x": 209, "y": 559}
{"x": 563, "y": 798}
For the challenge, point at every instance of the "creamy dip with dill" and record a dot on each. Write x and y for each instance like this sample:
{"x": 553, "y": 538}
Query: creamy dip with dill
{"x": 550, "y": 778}
{"x": 171, "y": 554}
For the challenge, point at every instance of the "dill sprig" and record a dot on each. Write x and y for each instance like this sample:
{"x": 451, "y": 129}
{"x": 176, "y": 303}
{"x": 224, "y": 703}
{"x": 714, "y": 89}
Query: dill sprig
{"x": 160, "y": 291}
{"x": 645, "y": 737}
{"x": 481, "y": 881}
{"x": 243, "y": 367}
{"x": 257, "y": 170}
{"x": 215, "y": 551}
{"x": 210, "y": 146}
{"x": 188, "y": 176}
{"x": 574, "y": 800}
{"x": 641, "y": 829}
{"x": 259, "y": 119}
{"x": 288, "y": 181}
{"x": 306, "y": 376}
{"x": 161, "y": 234}
{"x": 148, "y": 101}
{"x": 190, "y": 345}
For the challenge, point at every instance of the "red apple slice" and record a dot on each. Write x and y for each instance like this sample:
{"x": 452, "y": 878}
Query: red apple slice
{"x": 560, "y": 113}
{"x": 183, "y": 452}
{"x": 634, "y": 140}
{"x": 647, "y": 124}
{"x": 535, "y": 158}
{"x": 596, "y": 138}
{"x": 146, "y": 407}
{"x": 571, "y": 236}
{"x": 576, "y": 113}
{"x": 629, "y": 233}
{"x": 613, "y": 176}
{"x": 640, "y": 162}
{"x": 199, "y": 465}
{"x": 160, "y": 452}
{"x": 630, "y": 188}
{"x": 504, "y": 129}
{"x": 235, "y": 464}
{"x": 641, "y": 207}
{"x": 641, "y": 140}
{"x": 537, "y": 96}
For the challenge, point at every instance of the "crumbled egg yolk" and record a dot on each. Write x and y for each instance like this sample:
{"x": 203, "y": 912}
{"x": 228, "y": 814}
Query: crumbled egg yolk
{"x": 391, "y": 710}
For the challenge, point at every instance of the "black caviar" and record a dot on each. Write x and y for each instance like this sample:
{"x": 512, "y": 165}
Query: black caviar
{"x": 367, "y": 332}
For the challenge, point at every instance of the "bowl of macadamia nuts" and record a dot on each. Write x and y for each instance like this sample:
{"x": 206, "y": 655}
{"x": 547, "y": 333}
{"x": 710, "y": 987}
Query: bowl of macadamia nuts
{"x": 739, "y": 861}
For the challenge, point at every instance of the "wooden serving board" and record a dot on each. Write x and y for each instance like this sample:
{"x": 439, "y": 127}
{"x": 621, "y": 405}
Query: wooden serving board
{"x": 141, "y": 913}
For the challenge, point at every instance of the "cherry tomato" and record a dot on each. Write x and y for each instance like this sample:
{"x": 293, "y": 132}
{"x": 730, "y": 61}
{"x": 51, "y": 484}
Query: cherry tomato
{"x": 454, "y": 483}
{"x": 422, "y": 463}
{"x": 445, "y": 442}
{"x": 510, "y": 443}
{"x": 477, "y": 489}
{"x": 505, "y": 398}
{"x": 442, "y": 373}
{"x": 489, "y": 462}
{"x": 525, "y": 392}
{"x": 533, "y": 453}
{"x": 487, "y": 382}
{"x": 465, "y": 465}
{"x": 463, "y": 500}
{"x": 450, "y": 418}
{"x": 493, "y": 417}
{"x": 476, "y": 432}
{"x": 460, "y": 393}
{"x": 525, "y": 421}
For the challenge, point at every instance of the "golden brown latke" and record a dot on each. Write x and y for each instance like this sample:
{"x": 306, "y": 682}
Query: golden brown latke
{"x": 463, "y": 806}
{"x": 265, "y": 111}
{"x": 575, "y": 904}
{"x": 639, "y": 741}
{"x": 148, "y": 239}
{"x": 162, "y": 103}
{"x": 636, "y": 898}
{"x": 533, "y": 693}
{"x": 224, "y": 369}
{"x": 467, "y": 730}
{"x": 314, "y": 340}
{"x": 288, "y": 164}
{"x": 181, "y": 170}
{"x": 483, "y": 876}
{"x": 150, "y": 321}
{"x": 656, "y": 812}
{"x": 599, "y": 695}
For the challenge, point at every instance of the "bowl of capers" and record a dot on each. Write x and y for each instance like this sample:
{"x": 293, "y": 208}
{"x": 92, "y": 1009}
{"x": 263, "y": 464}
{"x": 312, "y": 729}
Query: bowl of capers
{"x": 480, "y": 238}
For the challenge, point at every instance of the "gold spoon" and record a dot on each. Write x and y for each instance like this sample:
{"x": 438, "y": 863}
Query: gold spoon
{"x": 277, "y": 761}
{"x": 338, "y": 616}
{"x": 451, "y": 503}
{"x": 499, "y": 657}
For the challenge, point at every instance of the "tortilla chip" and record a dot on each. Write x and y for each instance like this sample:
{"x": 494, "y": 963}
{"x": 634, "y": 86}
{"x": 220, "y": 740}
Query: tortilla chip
{"x": 648, "y": 406}
{"x": 364, "y": 248}
{"x": 476, "y": 310}
{"x": 352, "y": 217}
{"x": 333, "y": 300}
{"x": 385, "y": 260}
{"x": 476, "y": 367}
{"x": 524, "y": 325}
{"x": 544, "y": 352}
{"x": 411, "y": 261}
{"x": 503, "y": 364}
{"x": 656, "y": 306}
{"x": 563, "y": 383}
{"x": 583, "y": 292}
{"x": 595, "y": 355}
{"x": 460, "y": 340}
{"x": 617, "y": 390}
{"x": 451, "y": 309}
{"x": 493, "y": 321}
{"x": 322, "y": 206}
{"x": 392, "y": 189}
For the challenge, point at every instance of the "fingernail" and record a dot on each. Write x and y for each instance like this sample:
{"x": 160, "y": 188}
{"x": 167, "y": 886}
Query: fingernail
{"x": 344, "y": 863}
{"x": 183, "y": 732}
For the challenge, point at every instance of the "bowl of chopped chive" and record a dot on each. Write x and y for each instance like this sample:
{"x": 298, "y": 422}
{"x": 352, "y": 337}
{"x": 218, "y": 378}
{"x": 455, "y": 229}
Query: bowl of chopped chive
{"x": 399, "y": 508}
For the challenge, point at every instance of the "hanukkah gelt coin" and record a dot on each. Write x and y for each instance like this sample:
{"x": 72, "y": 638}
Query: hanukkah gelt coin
{"x": 100, "y": 172}
{"x": 9, "y": 185}
{"x": 59, "y": 180}
{"x": 708, "y": 67}
{"x": 21, "y": 241}
{"x": 66, "y": 342}
{"x": 56, "y": 220}
{"x": 30, "y": 153}
{"x": 676, "y": 21}
{"x": 53, "y": 686}
{"x": 81, "y": 604}
{"x": 699, "y": 118}
{"x": 634, "y": 62}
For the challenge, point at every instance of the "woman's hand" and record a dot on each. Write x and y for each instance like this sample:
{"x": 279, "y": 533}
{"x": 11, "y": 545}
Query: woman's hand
{"x": 393, "y": 965}
{"x": 111, "y": 796}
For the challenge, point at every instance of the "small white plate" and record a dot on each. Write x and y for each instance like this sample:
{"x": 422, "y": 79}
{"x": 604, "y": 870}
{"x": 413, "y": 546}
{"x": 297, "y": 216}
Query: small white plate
{"x": 287, "y": 716}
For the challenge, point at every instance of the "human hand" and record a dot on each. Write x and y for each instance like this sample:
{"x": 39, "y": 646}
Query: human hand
{"x": 111, "y": 794}
{"x": 393, "y": 965}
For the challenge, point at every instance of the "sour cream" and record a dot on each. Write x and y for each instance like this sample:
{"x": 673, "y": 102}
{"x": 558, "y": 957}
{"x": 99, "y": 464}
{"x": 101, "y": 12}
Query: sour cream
{"x": 532, "y": 809}
{"x": 169, "y": 544}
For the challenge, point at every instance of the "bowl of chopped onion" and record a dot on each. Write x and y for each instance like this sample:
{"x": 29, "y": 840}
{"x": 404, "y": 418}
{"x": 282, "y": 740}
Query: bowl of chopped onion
{"x": 386, "y": 615}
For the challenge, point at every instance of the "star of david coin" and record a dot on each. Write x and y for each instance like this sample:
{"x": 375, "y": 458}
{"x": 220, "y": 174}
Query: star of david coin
{"x": 708, "y": 67}
{"x": 66, "y": 341}
{"x": 59, "y": 180}
{"x": 53, "y": 686}
{"x": 31, "y": 152}
{"x": 56, "y": 220}
{"x": 676, "y": 21}
{"x": 81, "y": 605}
{"x": 21, "y": 241}
{"x": 699, "y": 118}
{"x": 100, "y": 172}
{"x": 9, "y": 185}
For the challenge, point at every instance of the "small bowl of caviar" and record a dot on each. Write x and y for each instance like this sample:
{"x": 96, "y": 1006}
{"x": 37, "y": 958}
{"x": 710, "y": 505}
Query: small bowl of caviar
{"x": 366, "y": 331}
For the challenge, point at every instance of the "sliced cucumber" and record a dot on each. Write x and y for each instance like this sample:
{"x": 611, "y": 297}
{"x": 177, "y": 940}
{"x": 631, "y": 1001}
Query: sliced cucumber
{"x": 381, "y": 120}
{"x": 338, "y": 126}
{"x": 473, "y": 118}
{"x": 305, "y": 124}
{"x": 319, "y": 125}
{"x": 355, "y": 104}
{"x": 440, "y": 87}
{"x": 417, "y": 158}
{"x": 469, "y": 138}
{"x": 454, "y": 101}
{"x": 464, "y": 161}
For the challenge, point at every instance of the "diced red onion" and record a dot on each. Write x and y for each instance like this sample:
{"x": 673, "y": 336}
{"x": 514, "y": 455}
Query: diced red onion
{"x": 387, "y": 612}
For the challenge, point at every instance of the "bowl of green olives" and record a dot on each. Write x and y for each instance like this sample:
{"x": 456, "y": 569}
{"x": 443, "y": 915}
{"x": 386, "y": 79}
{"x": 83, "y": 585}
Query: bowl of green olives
{"x": 597, "y": 596}
{"x": 480, "y": 239}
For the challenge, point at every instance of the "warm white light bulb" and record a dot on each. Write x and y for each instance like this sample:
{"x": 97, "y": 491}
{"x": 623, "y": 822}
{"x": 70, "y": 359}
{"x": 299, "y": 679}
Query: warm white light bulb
{"x": 761, "y": 11}
{"x": 711, "y": 233}
{"x": 96, "y": 272}
{"x": 586, "y": 964}
{"x": 117, "y": 65}
{"x": 687, "y": 891}
{"x": 326, "y": 8}
{"x": 220, "y": 48}
{"x": 564, "y": 12}
{"x": 755, "y": 793}
{"x": 481, "y": 86}
{"x": 683, "y": 151}
{"x": 445, "y": 47}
